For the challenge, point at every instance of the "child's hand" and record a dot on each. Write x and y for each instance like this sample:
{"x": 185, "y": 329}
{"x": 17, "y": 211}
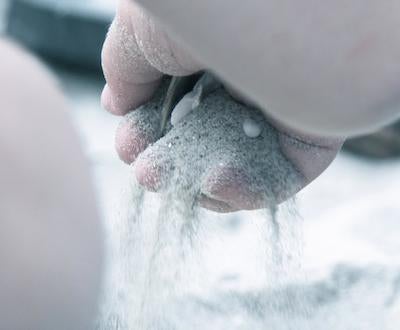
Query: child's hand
{"x": 136, "y": 54}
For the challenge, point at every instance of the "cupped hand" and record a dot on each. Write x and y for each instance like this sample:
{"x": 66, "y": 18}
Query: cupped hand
{"x": 137, "y": 53}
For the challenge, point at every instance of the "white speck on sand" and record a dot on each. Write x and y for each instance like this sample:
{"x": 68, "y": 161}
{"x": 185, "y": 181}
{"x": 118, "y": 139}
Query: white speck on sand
{"x": 251, "y": 128}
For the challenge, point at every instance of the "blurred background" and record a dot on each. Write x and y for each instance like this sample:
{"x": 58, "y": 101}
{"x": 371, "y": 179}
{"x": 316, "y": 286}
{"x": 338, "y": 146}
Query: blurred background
{"x": 68, "y": 36}
{"x": 351, "y": 213}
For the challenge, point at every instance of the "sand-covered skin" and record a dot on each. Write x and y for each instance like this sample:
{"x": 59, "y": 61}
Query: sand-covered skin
{"x": 211, "y": 149}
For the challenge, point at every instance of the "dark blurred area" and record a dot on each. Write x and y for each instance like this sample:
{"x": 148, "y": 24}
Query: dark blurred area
{"x": 384, "y": 144}
{"x": 71, "y": 33}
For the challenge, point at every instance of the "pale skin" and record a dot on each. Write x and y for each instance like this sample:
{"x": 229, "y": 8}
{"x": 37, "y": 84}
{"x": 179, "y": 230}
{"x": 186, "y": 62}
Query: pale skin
{"x": 318, "y": 79}
{"x": 328, "y": 67}
{"x": 51, "y": 244}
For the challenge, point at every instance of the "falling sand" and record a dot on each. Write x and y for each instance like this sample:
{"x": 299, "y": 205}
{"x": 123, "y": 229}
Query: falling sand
{"x": 159, "y": 279}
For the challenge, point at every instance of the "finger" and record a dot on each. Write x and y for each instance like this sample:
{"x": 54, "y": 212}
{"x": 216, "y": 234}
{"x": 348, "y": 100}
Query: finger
{"x": 131, "y": 79}
{"x": 124, "y": 97}
{"x": 232, "y": 188}
{"x": 140, "y": 127}
{"x": 310, "y": 161}
{"x": 310, "y": 154}
{"x": 153, "y": 168}
{"x": 131, "y": 140}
